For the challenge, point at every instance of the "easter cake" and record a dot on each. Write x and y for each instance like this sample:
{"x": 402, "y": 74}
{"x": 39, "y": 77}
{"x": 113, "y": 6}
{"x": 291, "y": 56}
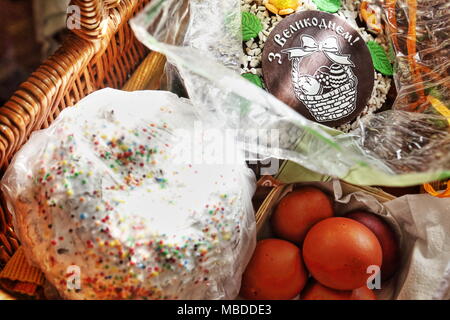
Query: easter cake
{"x": 104, "y": 206}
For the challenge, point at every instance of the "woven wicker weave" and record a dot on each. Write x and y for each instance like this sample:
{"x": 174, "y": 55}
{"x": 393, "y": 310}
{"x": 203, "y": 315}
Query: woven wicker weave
{"x": 102, "y": 53}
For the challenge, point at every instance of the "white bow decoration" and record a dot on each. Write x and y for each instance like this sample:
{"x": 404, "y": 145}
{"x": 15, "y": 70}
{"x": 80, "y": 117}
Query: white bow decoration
{"x": 329, "y": 47}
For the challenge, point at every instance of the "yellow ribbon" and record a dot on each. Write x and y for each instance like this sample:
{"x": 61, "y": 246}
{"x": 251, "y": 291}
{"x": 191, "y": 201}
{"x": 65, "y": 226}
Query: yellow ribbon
{"x": 442, "y": 109}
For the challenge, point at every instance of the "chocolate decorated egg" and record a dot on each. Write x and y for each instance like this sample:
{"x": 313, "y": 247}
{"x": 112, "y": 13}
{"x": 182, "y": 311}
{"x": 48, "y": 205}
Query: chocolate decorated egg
{"x": 319, "y": 65}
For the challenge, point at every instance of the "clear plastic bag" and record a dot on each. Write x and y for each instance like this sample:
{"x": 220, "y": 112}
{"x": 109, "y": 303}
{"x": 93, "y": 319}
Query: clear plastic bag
{"x": 203, "y": 40}
{"x": 104, "y": 206}
{"x": 419, "y": 34}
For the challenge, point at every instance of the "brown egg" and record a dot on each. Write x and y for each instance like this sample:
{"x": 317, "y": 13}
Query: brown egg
{"x": 275, "y": 272}
{"x": 299, "y": 211}
{"x": 387, "y": 238}
{"x": 316, "y": 291}
{"x": 337, "y": 251}
{"x": 363, "y": 293}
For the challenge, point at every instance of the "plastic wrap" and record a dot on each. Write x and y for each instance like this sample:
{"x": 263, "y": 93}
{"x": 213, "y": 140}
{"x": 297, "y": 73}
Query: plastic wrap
{"x": 107, "y": 208}
{"x": 419, "y": 34}
{"x": 203, "y": 40}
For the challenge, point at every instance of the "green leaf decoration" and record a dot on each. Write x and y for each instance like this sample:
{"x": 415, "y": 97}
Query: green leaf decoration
{"x": 328, "y": 5}
{"x": 380, "y": 59}
{"x": 255, "y": 79}
{"x": 251, "y": 26}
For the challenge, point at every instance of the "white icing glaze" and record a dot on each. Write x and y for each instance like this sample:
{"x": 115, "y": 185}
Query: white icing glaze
{"x": 100, "y": 190}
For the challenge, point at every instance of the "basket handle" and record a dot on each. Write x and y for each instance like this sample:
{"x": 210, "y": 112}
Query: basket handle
{"x": 89, "y": 18}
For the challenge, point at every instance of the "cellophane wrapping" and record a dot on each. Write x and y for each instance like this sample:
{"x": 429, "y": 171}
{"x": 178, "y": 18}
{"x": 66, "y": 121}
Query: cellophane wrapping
{"x": 202, "y": 39}
{"x": 108, "y": 203}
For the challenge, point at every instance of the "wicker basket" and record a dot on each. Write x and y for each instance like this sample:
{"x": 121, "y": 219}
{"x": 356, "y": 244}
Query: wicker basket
{"x": 102, "y": 53}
